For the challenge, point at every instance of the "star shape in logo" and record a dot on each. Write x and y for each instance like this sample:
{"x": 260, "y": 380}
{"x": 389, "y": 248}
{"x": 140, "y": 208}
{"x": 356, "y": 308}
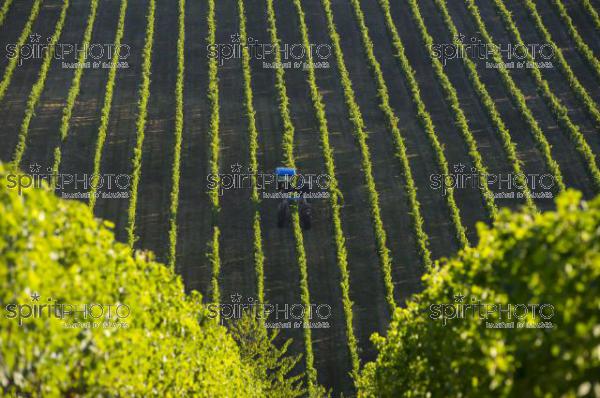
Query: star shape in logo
{"x": 35, "y": 296}
{"x": 458, "y": 298}
{"x": 458, "y": 168}
{"x": 460, "y": 37}
{"x": 35, "y": 168}
{"x": 235, "y": 38}
{"x": 236, "y": 168}
{"x": 35, "y": 38}
{"x": 236, "y": 298}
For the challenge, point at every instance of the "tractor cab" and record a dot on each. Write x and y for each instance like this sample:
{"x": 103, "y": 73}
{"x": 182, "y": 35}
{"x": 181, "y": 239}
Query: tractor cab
{"x": 287, "y": 185}
{"x": 285, "y": 178}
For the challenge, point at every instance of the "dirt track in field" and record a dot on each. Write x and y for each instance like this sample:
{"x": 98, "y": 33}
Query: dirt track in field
{"x": 194, "y": 208}
{"x": 155, "y": 183}
{"x": 237, "y": 211}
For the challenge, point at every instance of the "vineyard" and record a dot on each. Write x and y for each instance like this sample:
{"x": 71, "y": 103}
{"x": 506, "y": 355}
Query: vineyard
{"x": 426, "y": 117}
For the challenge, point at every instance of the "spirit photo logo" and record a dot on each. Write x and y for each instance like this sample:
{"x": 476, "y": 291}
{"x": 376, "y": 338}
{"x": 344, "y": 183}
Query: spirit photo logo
{"x": 266, "y": 51}
{"x": 282, "y": 316}
{"x": 36, "y": 48}
{"x": 89, "y": 315}
{"x": 474, "y": 48}
{"x": 464, "y": 177}
{"x": 504, "y": 316}
{"x": 240, "y": 178}
{"x": 113, "y": 186}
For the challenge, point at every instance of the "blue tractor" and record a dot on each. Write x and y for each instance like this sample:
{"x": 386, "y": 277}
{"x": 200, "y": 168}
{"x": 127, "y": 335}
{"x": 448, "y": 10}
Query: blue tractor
{"x": 287, "y": 185}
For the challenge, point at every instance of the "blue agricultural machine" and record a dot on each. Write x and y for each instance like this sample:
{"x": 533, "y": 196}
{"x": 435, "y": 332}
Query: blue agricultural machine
{"x": 292, "y": 194}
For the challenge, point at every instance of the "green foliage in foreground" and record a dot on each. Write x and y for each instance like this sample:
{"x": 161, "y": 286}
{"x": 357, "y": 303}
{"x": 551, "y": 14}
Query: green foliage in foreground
{"x": 170, "y": 348}
{"x": 267, "y": 361}
{"x": 550, "y": 258}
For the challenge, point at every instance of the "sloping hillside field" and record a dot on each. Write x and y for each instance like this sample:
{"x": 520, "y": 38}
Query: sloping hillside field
{"x": 308, "y": 158}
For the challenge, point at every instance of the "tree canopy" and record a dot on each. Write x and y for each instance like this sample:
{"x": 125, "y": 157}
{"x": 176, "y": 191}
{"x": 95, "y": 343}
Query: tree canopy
{"x": 545, "y": 268}
{"x": 83, "y": 316}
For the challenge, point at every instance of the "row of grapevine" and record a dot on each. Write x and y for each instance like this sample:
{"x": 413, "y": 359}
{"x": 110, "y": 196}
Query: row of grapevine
{"x": 4, "y": 10}
{"x": 12, "y": 63}
{"x": 361, "y": 136}
{"x": 558, "y": 109}
{"x": 592, "y": 12}
{"x": 140, "y": 125}
{"x": 213, "y": 254}
{"x": 38, "y": 87}
{"x": 519, "y": 101}
{"x": 214, "y": 260}
{"x": 335, "y": 195}
{"x": 108, "y": 98}
{"x": 425, "y": 120}
{"x": 461, "y": 120}
{"x": 583, "y": 96}
{"x": 459, "y": 117}
{"x": 288, "y": 127}
{"x": 178, "y": 133}
{"x": 585, "y": 51}
{"x": 490, "y": 106}
{"x": 288, "y": 154}
{"x": 67, "y": 111}
{"x": 422, "y": 240}
{"x": 259, "y": 257}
